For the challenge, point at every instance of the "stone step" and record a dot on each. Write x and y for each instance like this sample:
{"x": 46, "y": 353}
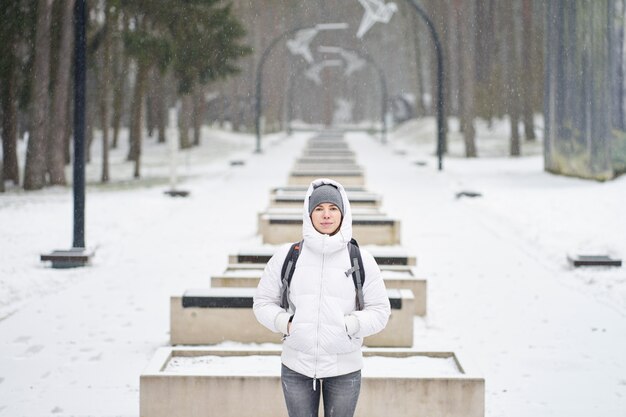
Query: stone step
{"x": 245, "y": 382}
{"x": 214, "y": 315}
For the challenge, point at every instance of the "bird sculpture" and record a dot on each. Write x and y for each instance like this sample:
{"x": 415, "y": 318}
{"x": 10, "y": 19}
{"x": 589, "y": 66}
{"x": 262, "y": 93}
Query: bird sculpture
{"x": 375, "y": 11}
{"x": 300, "y": 44}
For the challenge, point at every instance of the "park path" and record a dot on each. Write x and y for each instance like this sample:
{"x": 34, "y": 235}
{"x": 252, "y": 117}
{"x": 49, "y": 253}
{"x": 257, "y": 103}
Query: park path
{"x": 78, "y": 349}
{"x": 546, "y": 348}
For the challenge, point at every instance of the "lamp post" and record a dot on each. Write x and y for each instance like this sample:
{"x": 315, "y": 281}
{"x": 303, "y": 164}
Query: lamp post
{"x": 77, "y": 256}
{"x": 79, "y": 126}
{"x": 259, "y": 71}
{"x": 381, "y": 77}
{"x": 440, "y": 71}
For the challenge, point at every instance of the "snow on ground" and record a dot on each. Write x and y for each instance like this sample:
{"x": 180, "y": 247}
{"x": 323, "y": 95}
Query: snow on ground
{"x": 549, "y": 339}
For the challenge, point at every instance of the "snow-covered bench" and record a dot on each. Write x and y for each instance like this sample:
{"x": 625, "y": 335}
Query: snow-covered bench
{"x": 214, "y": 315}
{"x": 349, "y": 177}
{"x": 367, "y": 230}
{"x": 303, "y": 188}
{"x": 384, "y": 255}
{"x": 397, "y": 277}
{"x": 329, "y": 159}
{"x": 245, "y": 382}
{"x": 357, "y": 199}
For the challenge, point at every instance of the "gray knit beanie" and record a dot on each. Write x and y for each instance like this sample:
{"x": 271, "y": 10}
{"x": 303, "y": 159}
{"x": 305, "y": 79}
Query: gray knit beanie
{"x": 325, "y": 193}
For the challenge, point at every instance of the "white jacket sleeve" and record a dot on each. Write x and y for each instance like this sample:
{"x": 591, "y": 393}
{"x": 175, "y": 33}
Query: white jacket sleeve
{"x": 375, "y": 314}
{"x": 266, "y": 305}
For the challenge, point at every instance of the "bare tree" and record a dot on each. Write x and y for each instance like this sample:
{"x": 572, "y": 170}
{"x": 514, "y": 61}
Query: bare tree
{"x": 35, "y": 171}
{"x": 105, "y": 80}
{"x": 465, "y": 14}
{"x": 511, "y": 68}
{"x": 528, "y": 60}
{"x": 60, "y": 97}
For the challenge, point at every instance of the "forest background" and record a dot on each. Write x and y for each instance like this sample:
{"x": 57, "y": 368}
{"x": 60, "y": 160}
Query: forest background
{"x": 513, "y": 59}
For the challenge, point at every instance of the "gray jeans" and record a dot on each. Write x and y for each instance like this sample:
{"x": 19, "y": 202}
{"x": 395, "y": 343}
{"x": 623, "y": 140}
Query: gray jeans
{"x": 340, "y": 394}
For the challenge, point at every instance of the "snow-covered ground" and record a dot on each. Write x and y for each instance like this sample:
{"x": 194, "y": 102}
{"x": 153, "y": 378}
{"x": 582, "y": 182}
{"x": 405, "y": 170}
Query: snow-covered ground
{"x": 549, "y": 339}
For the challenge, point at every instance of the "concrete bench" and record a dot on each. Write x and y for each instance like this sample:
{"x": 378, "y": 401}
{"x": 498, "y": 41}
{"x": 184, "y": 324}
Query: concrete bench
{"x": 214, "y": 315}
{"x": 347, "y": 177}
{"x": 367, "y": 230}
{"x": 322, "y": 153}
{"x": 327, "y": 144}
{"x": 396, "y": 277}
{"x": 384, "y": 255}
{"x": 330, "y": 159}
{"x": 245, "y": 382}
{"x": 303, "y": 189}
{"x": 357, "y": 200}
{"x": 326, "y": 166}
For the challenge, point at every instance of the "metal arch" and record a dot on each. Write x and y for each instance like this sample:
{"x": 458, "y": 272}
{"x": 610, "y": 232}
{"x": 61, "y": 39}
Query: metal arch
{"x": 383, "y": 86}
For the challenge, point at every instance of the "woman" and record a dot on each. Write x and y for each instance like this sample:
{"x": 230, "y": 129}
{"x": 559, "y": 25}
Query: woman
{"x": 323, "y": 331}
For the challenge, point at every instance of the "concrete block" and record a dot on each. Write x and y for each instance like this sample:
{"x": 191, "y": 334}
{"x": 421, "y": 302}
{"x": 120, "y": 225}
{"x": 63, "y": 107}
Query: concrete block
{"x": 211, "y": 381}
{"x": 347, "y": 178}
{"x": 214, "y": 315}
{"x": 367, "y": 230}
{"x": 384, "y": 255}
{"x": 395, "y": 277}
{"x": 296, "y": 200}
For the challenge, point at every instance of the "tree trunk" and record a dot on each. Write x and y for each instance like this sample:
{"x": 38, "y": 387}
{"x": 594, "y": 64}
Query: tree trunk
{"x": 91, "y": 114}
{"x": 161, "y": 108}
{"x": 616, "y": 47}
{"x": 56, "y": 154}
{"x": 136, "y": 126}
{"x": 121, "y": 67}
{"x": 578, "y": 92}
{"x": 527, "y": 89}
{"x": 198, "y": 115}
{"x": 420, "y": 107}
{"x": 35, "y": 171}
{"x": 105, "y": 80}
{"x": 512, "y": 76}
{"x": 184, "y": 120}
{"x": 465, "y": 23}
{"x": 10, "y": 167}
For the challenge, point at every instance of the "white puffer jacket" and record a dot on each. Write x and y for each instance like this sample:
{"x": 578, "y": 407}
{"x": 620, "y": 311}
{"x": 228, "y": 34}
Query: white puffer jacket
{"x": 326, "y": 331}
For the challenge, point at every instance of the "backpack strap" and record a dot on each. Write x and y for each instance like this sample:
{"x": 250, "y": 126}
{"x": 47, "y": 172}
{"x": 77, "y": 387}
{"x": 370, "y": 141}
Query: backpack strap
{"x": 357, "y": 271}
{"x": 289, "y": 265}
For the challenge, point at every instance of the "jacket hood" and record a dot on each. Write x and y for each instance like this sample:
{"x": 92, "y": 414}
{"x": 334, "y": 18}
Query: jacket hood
{"x": 343, "y": 236}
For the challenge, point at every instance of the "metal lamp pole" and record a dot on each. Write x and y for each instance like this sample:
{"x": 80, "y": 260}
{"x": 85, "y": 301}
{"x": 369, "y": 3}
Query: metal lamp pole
{"x": 79, "y": 126}
{"x": 440, "y": 71}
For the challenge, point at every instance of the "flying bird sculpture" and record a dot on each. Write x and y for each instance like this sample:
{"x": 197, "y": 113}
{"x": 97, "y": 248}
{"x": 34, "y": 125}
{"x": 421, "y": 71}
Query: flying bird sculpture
{"x": 353, "y": 61}
{"x": 375, "y": 11}
{"x": 313, "y": 73}
{"x": 300, "y": 44}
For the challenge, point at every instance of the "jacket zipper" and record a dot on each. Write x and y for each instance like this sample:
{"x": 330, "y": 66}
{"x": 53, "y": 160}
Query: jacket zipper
{"x": 319, "y": 309}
